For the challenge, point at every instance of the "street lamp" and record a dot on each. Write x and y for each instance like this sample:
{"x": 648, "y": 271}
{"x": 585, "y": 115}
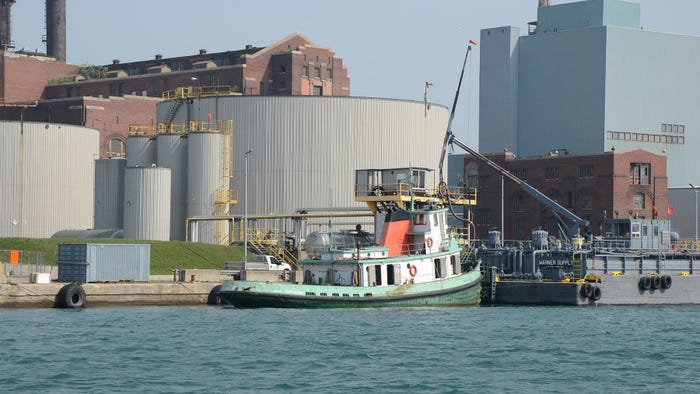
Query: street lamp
{"x": 696, "y": 190}
{"x": 245, "y": 209}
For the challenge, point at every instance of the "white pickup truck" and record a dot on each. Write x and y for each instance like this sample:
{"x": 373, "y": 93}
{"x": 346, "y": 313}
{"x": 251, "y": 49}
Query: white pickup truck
{"x": 258, "y": 262}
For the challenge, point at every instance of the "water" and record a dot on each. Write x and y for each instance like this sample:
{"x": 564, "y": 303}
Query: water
{"x": 473, "y": 349}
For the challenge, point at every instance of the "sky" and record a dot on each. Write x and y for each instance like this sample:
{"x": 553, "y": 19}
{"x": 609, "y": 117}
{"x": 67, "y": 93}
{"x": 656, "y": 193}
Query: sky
{"x": 390, "y": 47}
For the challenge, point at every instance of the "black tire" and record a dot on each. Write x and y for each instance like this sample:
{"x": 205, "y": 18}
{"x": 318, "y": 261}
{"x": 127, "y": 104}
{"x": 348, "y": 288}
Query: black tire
{"x": 71, "y": 296}
{"x": 586, "y": 290}
{"x": 596, "y": 293}
{"x": 644, "y": 283}
{"x": 666, "y": 282}
{"x": 213, "y": 297}
{"x": 655, "y": 282}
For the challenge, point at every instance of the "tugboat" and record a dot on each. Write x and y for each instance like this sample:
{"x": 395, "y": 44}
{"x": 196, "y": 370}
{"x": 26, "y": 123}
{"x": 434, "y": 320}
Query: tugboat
{"x": 417, "y": 259}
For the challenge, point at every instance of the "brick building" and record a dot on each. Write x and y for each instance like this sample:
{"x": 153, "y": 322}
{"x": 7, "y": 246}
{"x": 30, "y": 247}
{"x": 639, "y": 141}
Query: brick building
{"x": 35, "y": 87}
{"x": 592, "y": 186}
{"x": 292, "y": 66}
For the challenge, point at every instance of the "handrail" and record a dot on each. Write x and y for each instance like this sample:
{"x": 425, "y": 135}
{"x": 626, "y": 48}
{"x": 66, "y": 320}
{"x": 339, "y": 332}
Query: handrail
{"x": 136, "y": 130}
{"x": 198, "y": 91}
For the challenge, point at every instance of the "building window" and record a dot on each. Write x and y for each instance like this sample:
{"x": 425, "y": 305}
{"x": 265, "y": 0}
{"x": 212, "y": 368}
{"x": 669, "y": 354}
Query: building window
{"x": 283, "y": 69}
{"x": 638, "y": 201}
{"x": 520, "y": 173}
{"x": 472, "y": 180}
{"x": 318, "y": 91}
{"x": 283, "y": 84}
{"x": 329, "y": 73}
{"x": 305, "y": 71}
{"x": 115, "y": 148}
{"x": 483, "y": 181}
{"x": 586, "y": 201}
{"x": 551, "y": 173}
{"x": 586, "y": 171}
{"x": 640, "y": 173}
{"x": 317, "y": 72}
{"x": 519, "y": 203}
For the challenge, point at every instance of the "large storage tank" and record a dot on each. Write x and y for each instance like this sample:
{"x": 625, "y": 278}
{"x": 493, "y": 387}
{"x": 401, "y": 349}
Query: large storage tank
{"x": 109, "y": 193}
{"x": 172, "y": 153}
{"x": 205, "y": 175}
{"x": 147, "y": 203}
{"x": 47, "y": 177}
{"x": 141, "y": 151}
{"x": 306, "y": 149}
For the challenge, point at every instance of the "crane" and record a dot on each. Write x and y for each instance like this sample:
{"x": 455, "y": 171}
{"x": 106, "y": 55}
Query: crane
{"x": 572, "y": 229}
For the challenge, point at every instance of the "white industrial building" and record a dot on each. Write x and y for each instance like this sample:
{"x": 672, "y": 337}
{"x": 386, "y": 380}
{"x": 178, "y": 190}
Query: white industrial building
{"x": 305, "y": 150}
{"x": 48, "y": 178}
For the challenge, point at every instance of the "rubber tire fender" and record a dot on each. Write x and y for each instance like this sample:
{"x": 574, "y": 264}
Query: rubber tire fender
{"x": 586, "y": 290}
{"x": 666, "y": 281}
{"x": 213, "y": 297}
{"x": 655, "y": 281}
{"x": 644, "y": 283}
{"x": 596, "y": 293}
{"x": 71, "y": 296}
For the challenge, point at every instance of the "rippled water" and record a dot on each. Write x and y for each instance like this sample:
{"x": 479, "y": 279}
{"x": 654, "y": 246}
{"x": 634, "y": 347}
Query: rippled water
{"x": 473, "y": 349}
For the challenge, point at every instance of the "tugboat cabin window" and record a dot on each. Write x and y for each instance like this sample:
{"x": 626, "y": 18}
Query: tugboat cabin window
{"x": 440, "y": 268}
{"x": 419, "y": 219}
{"x": 636, "y": 230}
{"x": 378, "y": 275}
{"x": 390, "y": 275}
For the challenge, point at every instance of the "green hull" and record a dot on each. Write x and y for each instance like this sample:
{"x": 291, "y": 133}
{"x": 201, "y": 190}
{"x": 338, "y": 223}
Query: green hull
{"x": 464, "y": 289}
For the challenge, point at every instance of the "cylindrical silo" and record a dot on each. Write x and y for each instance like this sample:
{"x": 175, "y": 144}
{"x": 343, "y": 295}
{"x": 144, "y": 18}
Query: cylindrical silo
{"x": 172, "y": 153}
{"x": 147, "y": 203}
{"x": 47, "y": 177}
{"x": 140, "y": 151}
{"x": 109, "y": 193}
{"x": 205, "y": 175}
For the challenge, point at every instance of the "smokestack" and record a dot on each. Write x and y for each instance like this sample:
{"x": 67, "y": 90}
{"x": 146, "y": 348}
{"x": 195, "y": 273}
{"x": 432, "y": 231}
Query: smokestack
{"x": 56, "y": 29}
{"x": 6, "y": 24}
{"x": 543, "y": 3}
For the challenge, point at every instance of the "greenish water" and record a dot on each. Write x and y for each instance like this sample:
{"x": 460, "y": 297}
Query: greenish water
{"x": 472, "y": 349}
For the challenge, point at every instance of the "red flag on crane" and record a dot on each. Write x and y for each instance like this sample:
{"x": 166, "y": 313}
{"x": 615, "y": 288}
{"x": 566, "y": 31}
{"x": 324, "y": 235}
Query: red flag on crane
{"x": 472, "y": 42}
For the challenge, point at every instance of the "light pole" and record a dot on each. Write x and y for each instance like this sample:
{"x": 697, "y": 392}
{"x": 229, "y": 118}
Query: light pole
{"x": 696, "y": 190}
{"x": 245, "y": 209}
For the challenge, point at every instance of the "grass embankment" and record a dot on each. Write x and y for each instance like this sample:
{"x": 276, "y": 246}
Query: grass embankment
{"x": 165, "y": 255}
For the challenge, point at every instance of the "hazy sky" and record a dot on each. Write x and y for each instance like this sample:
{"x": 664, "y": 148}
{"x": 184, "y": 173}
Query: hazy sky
{"x": 389, "y": 47}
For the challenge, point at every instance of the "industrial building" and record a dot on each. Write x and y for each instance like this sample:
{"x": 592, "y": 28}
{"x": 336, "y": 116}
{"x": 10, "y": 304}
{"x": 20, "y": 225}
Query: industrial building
{"x": 48, "y": 178}
{"x": 588, "y": 78}
{"x": 594, "y": 187}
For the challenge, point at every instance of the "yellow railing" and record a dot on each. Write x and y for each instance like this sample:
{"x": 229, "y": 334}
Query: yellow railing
{"x": 226, "y": 196}
{"x": 687, "y": 244}
{"x": 141, "y": 130}
{"x": 212, "y": 126}
{"x": 198, "y": 91}
{"x": 402, "y": 189}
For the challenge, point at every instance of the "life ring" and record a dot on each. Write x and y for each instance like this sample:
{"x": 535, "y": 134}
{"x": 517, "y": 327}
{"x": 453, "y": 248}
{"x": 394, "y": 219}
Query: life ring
{"x": 413, "y": 270}
{"x": 429, "y": 242}
{"x": 71, "y": 296}
{"x": 666, "y": 281}
{"x": 596, "y": 293}
{"x": 586, "y": 290}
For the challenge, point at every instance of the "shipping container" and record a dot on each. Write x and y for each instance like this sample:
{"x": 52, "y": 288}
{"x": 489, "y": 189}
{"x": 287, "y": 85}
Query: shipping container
{"x": 104, "y": 262}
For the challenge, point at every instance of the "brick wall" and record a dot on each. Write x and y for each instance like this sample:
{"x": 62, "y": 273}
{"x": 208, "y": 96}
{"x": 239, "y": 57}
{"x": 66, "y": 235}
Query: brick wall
{"x": 24, "y": 77}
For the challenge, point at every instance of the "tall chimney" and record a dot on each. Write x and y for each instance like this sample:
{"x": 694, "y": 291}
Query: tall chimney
{"x": 6, "y": 24}
{"x": 56, "y": 29}
{"x": 543, "y": 3}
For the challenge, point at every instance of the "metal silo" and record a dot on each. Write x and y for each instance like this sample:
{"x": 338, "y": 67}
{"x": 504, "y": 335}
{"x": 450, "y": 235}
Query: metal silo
{"x": 48, "y": 178}
{"x": 147, "y": 203}
{"x": 205, "y": 175}
{"x": 172, "y": 153}
{"x": 109, "y": 193}
{"x": 140, "y": 151}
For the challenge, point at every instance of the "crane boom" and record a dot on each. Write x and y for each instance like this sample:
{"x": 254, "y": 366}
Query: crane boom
{"x": 577, "y": 222}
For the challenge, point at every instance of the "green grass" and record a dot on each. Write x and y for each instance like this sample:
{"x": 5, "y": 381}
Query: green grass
{"x": 165, "y": 255}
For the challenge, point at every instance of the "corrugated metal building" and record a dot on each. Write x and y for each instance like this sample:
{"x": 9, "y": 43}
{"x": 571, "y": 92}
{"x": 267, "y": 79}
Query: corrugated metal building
{"x": 306, "y": 149}
{"x": 48, "y": 178}
{"x": 590, "y": 79}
